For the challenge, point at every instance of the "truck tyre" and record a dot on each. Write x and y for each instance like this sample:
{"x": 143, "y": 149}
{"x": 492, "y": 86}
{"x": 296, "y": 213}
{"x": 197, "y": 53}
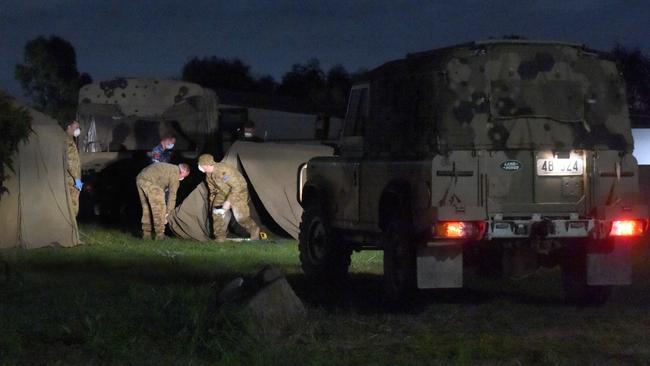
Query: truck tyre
{"x": 322, "y": 255}
{"x": 574, "y": 279}
{"x": 399, "y": 260}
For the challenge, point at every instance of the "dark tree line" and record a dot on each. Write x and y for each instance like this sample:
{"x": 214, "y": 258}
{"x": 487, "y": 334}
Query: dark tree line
{"x": 49, "y": 76}
{"x": 15, "y": 126}
{"x": 218, "y": 73}
{"x": 635, "y": 67}
{"x": 307, "y": 82}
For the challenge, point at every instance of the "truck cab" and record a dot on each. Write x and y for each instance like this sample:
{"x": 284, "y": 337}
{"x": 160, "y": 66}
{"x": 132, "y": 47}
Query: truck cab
{"x": 506, "y": 154}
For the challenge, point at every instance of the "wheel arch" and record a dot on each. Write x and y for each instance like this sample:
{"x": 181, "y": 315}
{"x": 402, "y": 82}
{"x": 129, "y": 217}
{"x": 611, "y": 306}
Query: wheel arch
{"x": 313, "y": 191}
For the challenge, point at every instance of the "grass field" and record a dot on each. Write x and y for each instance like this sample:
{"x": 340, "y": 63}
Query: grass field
{"x": 120, "y": 300}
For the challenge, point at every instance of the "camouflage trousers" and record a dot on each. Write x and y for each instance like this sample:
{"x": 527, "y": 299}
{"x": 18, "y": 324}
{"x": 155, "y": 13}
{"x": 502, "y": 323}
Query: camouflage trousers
{"x": 152, "y": 199}
{"x": 74, "y": 196}
{"x": 241, "y": 212}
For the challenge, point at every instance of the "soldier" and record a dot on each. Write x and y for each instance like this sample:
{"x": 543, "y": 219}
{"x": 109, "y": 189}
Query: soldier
{"x": 163, "y": 151}
{"x": 73, "y": 172}
{"x": 152, "y": 182}
{"x": 228, "y": 190}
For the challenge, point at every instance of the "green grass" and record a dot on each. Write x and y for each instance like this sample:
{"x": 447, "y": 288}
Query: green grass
{"x": 121, "y": 300}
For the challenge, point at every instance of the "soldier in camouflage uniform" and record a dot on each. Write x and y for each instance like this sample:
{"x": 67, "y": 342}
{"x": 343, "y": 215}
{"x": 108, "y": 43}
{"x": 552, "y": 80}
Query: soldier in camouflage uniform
{"x": 73, "y": 171}
{"x": 228, "y": 190}
{"x": 152, "y": 182}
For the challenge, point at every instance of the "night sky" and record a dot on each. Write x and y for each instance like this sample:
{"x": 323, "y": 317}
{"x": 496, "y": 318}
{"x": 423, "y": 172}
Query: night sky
{"x": 155, "y": 38}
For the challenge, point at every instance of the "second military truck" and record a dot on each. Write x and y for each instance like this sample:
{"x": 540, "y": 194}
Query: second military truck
{"x": 507, "y": 155}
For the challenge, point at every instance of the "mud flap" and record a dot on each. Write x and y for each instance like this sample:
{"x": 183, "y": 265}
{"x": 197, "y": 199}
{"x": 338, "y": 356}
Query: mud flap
{"x": 440, "y": 266}
{"x": 610, "y": 267}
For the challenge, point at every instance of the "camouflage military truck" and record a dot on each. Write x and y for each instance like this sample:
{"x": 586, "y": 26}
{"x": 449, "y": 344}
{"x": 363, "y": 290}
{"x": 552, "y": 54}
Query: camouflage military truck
{"x": 131, "y": 114}
{"x": 501, "y": 155}
{"x": 123, "y": 119}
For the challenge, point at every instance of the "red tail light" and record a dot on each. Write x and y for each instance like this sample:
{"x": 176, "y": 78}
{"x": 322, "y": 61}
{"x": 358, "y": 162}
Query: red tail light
{"x": 459, "y": 229}
{"x": 628, "y": 228}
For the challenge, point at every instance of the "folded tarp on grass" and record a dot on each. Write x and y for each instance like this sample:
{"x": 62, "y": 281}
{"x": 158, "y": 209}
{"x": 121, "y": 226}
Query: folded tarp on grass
{"x": 190, "y": 220}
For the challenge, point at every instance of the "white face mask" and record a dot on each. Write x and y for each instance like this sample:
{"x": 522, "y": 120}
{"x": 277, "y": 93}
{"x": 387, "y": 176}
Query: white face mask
{"x": 248, "y": 134}
{"x": 201, "y": 169}
{"x": 170, "y": 146}
{"x": 77, "y": 132}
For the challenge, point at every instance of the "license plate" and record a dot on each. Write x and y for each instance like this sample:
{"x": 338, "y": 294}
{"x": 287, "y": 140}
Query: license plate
{"x": 559, "y": 167}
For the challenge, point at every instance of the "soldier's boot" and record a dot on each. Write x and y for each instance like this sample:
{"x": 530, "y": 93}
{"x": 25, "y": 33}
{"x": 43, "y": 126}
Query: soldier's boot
{"x": 160, "y": 232}
{"x": 146, "y": 230}
{"x": 251, "y": 226}
{"x": 255, "y": 233}
{"x": 219, "y": 227}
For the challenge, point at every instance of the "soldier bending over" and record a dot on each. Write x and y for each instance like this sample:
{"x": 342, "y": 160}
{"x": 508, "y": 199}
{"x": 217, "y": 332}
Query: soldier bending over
{"x": 152, "y": 182}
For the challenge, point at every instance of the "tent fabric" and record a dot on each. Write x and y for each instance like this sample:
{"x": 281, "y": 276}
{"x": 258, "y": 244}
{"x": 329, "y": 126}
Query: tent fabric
{"x": 272, "y": 171}
{"x": 190, "y": 220}
{"x": 9, "y": 203}
{"x": 36, "y": 212}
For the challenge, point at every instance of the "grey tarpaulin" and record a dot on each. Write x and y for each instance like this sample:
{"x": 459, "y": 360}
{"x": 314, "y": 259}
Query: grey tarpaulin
{"x": 36, "y": 212}
{"x": 272, "y": 171}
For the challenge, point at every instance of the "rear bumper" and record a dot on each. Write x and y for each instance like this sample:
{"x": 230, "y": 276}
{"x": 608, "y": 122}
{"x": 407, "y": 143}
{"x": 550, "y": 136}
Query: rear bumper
{"x": 536, "y": 226}
{"x": 550, "y": 229}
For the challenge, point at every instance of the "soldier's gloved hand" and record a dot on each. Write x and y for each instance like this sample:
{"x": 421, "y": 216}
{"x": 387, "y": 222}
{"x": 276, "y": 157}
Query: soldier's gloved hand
{"x": 226, "y": 205}
{"x": 78, "y": 183}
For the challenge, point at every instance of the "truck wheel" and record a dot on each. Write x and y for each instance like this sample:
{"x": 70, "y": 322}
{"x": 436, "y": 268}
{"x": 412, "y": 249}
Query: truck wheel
{"x": 574, "y": 279}
{"x": 399, "y": 260}
{"x": 322, "y": 255}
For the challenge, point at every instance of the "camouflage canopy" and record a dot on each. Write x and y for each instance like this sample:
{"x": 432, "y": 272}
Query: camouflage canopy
{"x": 132, "y": 114}
{"x": 497, "y": 95}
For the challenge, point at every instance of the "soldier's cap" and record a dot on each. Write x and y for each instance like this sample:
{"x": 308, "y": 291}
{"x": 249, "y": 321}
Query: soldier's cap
{"x": 206, "y": 159}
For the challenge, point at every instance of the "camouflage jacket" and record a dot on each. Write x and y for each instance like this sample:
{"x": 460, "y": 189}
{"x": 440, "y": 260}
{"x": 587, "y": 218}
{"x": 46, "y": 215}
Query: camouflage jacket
{"x": 72, "y": 158}
{"x": 223, "y": 182}
{"x": 160, "y": 155}
{"x": 164, "y": 176}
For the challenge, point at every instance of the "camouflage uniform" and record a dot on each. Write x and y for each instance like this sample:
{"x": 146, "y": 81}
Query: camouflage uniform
{"x": 227, "y": 184}
{"x": 73, "y": 172}
{"x": 152, "y": 182}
